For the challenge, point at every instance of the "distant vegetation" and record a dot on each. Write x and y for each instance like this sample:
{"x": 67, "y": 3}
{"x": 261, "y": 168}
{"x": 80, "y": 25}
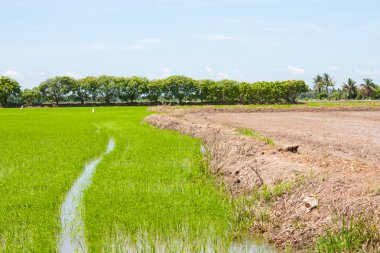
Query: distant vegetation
{"x": 324, "y": 88}
{"x": 181, "y": 89}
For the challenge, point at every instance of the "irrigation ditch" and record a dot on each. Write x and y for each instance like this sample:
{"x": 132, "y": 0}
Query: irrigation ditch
{"x": 72, "y": 237}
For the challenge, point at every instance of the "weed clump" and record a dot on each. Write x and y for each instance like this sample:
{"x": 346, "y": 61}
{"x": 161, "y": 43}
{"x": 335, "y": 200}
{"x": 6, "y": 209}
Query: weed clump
{"x": 358, "y": 235}
{"x": 249, "y": 132}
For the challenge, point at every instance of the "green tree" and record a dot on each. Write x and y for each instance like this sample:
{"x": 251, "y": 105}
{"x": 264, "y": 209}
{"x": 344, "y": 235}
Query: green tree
{"x": 263, "y": 92}
{"x": 180, "y": 88}
{"x": 8, "y": 88}
{"x": 92, "y": 86}
{"x": 350, "y": 88}
{"x": 245, "y": 92}
{"x": 229, "y": 90}
{"x": 368, "y": 88}
{"x": 292, "y": 89}
{"x": 328, "y": 81}
{"x": 203, "y": 89}
{"x": 377, "y": 93}
{"x": 130, "y": 89}
{"x": 338, "y": 95}
{"x": 279, "y": 92}
{"x": 318, "y": 83}
{"x": 80, "y": 91}
{"x": 55, "y": 89}
{"x": 154, "y": 90}
{"x": 108, "y": 88}
{"x": 215, "y": 92}
{"x": 32, "y": 96}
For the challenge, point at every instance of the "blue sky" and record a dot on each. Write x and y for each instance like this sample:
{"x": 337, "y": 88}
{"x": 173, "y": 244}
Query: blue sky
{"x": 246, "y": 40}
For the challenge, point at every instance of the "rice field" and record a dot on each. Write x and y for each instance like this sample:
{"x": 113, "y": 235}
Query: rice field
{"x": 152, "y": 193}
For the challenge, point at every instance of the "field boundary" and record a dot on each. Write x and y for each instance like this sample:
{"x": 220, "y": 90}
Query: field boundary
{"x": 287, "y": 210}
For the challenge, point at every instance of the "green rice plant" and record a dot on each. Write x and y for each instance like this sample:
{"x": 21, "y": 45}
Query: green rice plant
{"x": 42, "y": 152}
{"x": 357, "y": 235}
{"x": 249, "y": 132}
{"x": 152, "y": 193}
{"x": 154, "y": 185}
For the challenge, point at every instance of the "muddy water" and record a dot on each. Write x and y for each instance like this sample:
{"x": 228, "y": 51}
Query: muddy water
{"x": 72, "y": 238}
{"x": 250, "y": 247}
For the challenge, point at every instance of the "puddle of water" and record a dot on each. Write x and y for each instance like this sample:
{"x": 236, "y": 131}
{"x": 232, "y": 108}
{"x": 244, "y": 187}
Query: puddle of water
{"x": 110, "y": 147}
{"x": 249, "y": 247}
{"x": 72, "y": 235}
{"x": 175, "y": 245}
{"x": 203, "y": 150}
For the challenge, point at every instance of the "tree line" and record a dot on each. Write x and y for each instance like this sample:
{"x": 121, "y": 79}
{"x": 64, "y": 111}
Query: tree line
{"x": 180, "y": 89}
{"x": 324, "y": 88}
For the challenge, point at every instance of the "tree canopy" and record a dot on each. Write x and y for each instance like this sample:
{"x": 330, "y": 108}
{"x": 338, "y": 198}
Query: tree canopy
{"x": 8, "y": 88}
{"x": 179, "y": 89}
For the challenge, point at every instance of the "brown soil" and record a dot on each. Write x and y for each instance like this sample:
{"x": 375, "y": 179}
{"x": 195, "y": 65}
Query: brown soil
{"x": 339, "y": 154}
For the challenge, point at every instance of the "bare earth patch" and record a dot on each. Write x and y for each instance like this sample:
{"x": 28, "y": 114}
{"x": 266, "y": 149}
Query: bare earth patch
{"x": 338, "y": 157}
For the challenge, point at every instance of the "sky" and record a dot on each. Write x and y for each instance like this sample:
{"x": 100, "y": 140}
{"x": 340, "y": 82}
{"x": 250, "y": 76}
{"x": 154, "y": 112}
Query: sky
{"x": 244, "y": 40}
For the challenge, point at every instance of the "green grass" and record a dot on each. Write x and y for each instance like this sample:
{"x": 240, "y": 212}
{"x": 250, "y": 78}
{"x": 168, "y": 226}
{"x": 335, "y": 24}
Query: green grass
{"x": 358, "y": 235}
{"x": 153, "y": 190}
{"x": 249, "y": 132}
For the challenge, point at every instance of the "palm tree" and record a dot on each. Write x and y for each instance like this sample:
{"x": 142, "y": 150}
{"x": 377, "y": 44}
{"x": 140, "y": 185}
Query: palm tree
{"x": 351, "y": 88}
{"x": 368, "y": 87}
{"x": 318, "y": 83}
{"x": 328, "y": 81}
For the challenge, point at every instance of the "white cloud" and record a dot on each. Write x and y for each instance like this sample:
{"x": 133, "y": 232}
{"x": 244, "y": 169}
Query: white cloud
{"x": 166, "y": 72}
{"x": 36, "y": 74}
{"x": 363, "y": 72}
{"x": 223, "y": 75}
{"x": 209, "y": 69}
{"x": 73, "y": 74}
{"x": 295, "y": 70}
{"x": 12, "y": 74}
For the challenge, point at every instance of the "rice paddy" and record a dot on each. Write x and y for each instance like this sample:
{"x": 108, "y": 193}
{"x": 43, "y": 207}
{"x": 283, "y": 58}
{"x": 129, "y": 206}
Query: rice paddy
{"x": 152, "y": 193}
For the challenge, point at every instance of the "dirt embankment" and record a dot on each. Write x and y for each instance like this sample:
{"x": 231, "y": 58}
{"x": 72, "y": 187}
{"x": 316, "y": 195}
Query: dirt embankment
{"x": 338, "y": 158}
